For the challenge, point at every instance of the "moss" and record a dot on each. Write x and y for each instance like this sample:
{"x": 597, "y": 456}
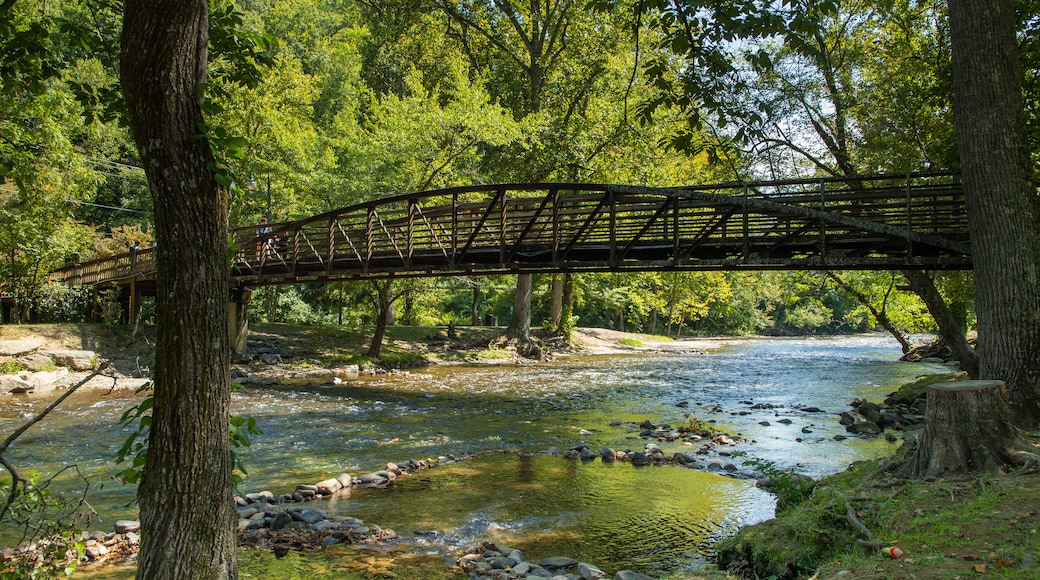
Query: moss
{"x": 916, "y": 389}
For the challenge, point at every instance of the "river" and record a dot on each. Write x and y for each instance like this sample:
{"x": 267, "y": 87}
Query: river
{"x": 649, "y": 519}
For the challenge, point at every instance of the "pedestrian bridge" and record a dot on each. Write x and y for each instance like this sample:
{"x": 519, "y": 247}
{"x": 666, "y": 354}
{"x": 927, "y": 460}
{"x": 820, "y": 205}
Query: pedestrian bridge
{"x": 877, "y": 222}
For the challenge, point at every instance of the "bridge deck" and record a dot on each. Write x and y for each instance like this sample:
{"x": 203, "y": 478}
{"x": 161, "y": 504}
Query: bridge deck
{"x": 872, "y": 222}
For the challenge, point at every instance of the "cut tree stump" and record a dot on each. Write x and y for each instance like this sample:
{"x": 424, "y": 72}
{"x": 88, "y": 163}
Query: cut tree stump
{"x": 967, "y": 429}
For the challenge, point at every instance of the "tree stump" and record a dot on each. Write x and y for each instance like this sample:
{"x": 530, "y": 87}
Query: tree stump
{"x": 967, "y": 429}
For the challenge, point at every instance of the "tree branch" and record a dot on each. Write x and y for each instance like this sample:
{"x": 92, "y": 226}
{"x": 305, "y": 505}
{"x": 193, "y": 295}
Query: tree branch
{"x": 15, "y": 478}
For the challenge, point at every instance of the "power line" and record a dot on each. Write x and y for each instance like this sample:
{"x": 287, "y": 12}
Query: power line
{"x": 111, "y": 207}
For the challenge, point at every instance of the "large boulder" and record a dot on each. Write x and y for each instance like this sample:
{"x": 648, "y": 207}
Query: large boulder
{"x": 20, "y": 346}
{"x": 79, "y": 360}
{"x": 15, "y": 384}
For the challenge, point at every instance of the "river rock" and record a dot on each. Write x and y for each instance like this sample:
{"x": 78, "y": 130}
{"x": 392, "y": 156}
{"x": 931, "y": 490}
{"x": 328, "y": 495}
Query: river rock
{"x": 15, "y": 385}
{"x": 590, "y": 572}
{"x": 502, "y": 562}
{"x": 124, "y": 526}
{"x": 344, "y": 479}
{"x": 607, "y": 454}
{"x": 328, "y": 487}
{"x": 79, "y": 360}
{"x": 864, "y": 428}
{"x": 373, "y": 478}
{"x": 557, "y": 562}
{"x": 630, "y": 575}
{"x": 281, "y": 520}
{"x": 308, "y": 516}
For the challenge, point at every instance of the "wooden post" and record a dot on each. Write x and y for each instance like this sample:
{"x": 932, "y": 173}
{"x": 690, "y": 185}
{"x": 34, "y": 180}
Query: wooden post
{"x": 967, "y": 429}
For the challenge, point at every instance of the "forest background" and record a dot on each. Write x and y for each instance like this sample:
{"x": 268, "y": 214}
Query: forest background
{"x": 313, "y": 105}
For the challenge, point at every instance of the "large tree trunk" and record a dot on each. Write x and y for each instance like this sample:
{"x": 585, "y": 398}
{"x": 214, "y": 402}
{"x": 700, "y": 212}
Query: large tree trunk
{"x": 967, "y": 430}
{"x": 520, "y": 322}
{"x": 1003, "y": 206}
{"x": 474, "y": 309}
{"x": 950, "y": 327}
{"x": 187, "y": 508}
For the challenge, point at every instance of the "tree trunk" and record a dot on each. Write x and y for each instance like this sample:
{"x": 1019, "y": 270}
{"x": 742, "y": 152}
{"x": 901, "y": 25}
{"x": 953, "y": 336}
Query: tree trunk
{"x": 967, "y": 429}
{"x": 1003, "y": 207}
{"x": 880, "y": 315}
{"x": 474, "y": 310}
{"x": 520, "y": 323}
{"x": 556, "y": 303}
{"x": 384, "y": 305}
{"x": 949, "y": 325}
{"x": 186, "y": 504}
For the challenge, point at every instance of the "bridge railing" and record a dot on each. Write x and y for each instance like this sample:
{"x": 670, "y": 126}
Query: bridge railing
{"x": 139, "y": 264}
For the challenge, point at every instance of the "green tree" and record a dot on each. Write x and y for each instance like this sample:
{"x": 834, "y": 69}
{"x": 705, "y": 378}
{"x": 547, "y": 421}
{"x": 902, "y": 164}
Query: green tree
{"x": 187, "y": 513}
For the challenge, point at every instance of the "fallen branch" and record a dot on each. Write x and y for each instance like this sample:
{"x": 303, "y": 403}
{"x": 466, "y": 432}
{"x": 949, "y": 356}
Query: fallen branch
{"x": 15, "y": 478}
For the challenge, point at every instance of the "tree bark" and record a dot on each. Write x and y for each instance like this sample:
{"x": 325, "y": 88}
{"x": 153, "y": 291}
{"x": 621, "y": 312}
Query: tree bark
{"x": 967, "y": 429}
{"x": 520, "y": 322}
{"x": 384, "y": 309}
{"x": 949, "y": 325}
{"x": 186, "y": 504}
{"x": 556, "y": 302}
{"x": 1003, "y": 206}
{"x": 474, "y": 309}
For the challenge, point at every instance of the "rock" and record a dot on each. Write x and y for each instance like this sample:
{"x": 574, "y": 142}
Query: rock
{"x": 554, "y": 451}
{"x": 328, "y": 487}
{"x": 607, "y": 454}
{"x": 261, "y": 496}
{"x": 124, "y": 526}
{"x": 812, "y": 410}
{"x": 20, "y": 346}
{"x": 281, "y": 520}
{"x": 785, "y": 421}
{"x": 15, "y": 385}
{"x": 502, "y": 562}
{"x": 79, "y": 360}
{"x": 256, "y": 524}
{"x": 309, "y": 516}
{"x": 521, "y": 569}
{"x": 271, "y": 359}
{"x": 932, "y": 359}
{"x": 587, "y": 455}
{"x": 864, "y": 428}
{"x": 630, "y": 575}
{"x": 344, "y": 480}
{"x": 590, "y": 572}
{"x": 373, "y": 478}
{"x": 558, "y": 562}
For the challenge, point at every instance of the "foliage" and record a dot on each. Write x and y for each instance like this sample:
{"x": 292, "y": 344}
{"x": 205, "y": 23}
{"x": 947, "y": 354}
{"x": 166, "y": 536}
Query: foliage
{"x": 135, "y": 447}
{"x": 54, "y": 547}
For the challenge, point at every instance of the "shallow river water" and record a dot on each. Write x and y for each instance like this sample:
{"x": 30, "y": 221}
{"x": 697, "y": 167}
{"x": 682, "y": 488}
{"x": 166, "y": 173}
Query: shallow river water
{"x": 649, "y": 519}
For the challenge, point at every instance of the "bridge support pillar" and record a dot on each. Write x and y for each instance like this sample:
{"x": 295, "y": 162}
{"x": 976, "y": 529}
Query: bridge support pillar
{"x": 238, "y": 319}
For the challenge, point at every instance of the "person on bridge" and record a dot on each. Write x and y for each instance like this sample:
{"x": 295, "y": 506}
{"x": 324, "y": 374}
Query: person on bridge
{"x": 262, "y": 231}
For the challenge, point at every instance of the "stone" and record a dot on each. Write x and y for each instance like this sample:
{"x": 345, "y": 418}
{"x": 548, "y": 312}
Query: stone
{"x": 373, "y": 479}
{"x": 124, "y": 526}
{"x": 309, "y": 516}
{"x": 328, "y": 487}
{"x": 261, "y": 496}
{"x": 321, "y": 526}
{"x": 248, "y": 512}
{"x": 863, "y": 428}
{"x": 344, "y": 479}
{"x": 538, "y": 572}
{"x": 502, "y": 562}
{"x": 15, "y": 385}
{"x": 79, "y": 360}
{"x": 630, "y": 575}
{"x": 590, "y": 572}
{"x": 607, "y": 454}
{"x": 281, "y": 520}
{"x": 256, "y": 524}
{"x": 558, "y": 562}
{"x": 522, "y": 569}
{"x": 242, "y": 523}
{"x": 20, "y": 346}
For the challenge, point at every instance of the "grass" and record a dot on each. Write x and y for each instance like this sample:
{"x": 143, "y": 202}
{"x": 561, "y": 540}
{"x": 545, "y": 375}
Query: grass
{"x": 631, "y": 342}
{"x": 946, "y": 529}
